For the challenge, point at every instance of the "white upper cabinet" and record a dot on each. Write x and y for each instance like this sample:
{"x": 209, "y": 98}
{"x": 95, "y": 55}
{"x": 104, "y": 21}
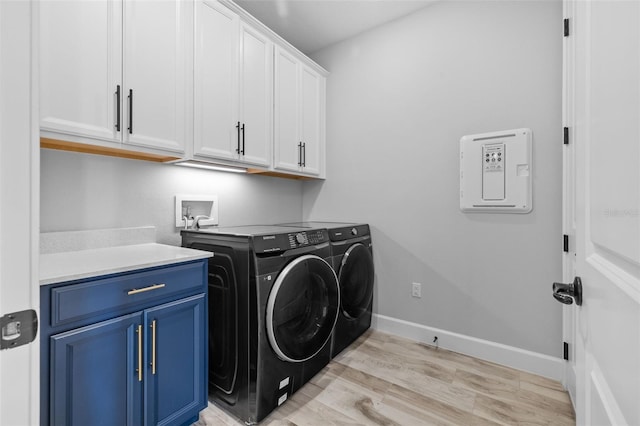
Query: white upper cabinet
{"x": 287, "y": 144}
{"x": 155, "y": 68}
{"x": 312, "y": 92}
{"x": 80, "y": 68}
{"x": 116, "y": 72}
{"x": 233, "y": 88}
{"x": 299, "y": 116}
{"x": 256, "y": 95}
{"x": 216, "y": 82}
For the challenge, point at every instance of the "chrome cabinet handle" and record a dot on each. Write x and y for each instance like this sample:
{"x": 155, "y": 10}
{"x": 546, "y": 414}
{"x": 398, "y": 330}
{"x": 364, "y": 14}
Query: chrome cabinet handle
{"x": 153, "y": 347}
{"x": 139, "y": 331}
{"x": 142, "y": 290}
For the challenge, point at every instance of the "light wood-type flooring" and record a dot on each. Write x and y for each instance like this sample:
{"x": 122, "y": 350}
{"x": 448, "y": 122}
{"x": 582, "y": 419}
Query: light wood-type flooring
{"x": 387, "y": 380}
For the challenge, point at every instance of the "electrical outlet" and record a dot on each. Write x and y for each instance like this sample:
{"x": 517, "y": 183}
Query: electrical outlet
{"x": 416, "y": 290}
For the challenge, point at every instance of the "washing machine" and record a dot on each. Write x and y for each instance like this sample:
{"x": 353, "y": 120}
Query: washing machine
{"x": 352, "y": 260}
{"x": 273, "y": 304}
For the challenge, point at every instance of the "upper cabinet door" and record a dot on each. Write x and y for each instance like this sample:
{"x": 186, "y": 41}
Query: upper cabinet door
{"x": 311, "y": 101}
{"x": 80, "y": 68}
{"x": 155, "y": 73}
{"x": 256, "y": 96}
{"x": 299, "y": 116}
{"x": 216, "y": 123}
{"x": 287, "y": 155}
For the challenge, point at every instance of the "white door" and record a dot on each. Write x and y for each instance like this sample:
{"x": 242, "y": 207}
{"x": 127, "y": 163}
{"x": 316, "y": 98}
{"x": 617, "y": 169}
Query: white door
{"x": 216, "y": 82}
{"x": 19, "y": 207}
{"x": 604, "y": 118}
{"x": 156, "y": 73}
{"x": 256, "y": 95}
{"x": 80, "y": 63}
{"x": 288, "y": 155}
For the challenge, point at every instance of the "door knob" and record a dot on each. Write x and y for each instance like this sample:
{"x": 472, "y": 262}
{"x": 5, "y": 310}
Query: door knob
{"x": 568, "y": 293}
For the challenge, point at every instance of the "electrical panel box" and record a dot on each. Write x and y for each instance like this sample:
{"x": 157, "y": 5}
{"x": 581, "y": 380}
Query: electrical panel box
{"x": 495, "y": 172}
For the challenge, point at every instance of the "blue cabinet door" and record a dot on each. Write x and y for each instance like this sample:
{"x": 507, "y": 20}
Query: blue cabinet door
{"x": 93, "y": 375}
{"x": 176, "y": 361}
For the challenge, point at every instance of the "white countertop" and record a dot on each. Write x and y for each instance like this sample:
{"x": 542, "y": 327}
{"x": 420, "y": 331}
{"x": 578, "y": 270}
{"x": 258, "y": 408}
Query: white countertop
{"x": 74, "y": 265}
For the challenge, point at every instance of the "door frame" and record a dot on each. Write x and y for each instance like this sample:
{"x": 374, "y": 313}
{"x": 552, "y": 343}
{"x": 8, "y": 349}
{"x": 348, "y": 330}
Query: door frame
{"x": 569, "y": 319}
{"x": 19, "y": 131}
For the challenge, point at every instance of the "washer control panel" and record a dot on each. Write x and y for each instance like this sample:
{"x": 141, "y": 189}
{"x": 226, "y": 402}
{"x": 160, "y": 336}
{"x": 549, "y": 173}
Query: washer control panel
{"x": 306, "y": 238}
{"x": 275, "y": 243}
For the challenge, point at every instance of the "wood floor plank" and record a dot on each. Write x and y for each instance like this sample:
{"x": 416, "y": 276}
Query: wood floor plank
{"x": 558, "y": 394}
{"x": 387, "y": 380}
{"x": 515, "y": 413}
{"x": 449, "y": 412}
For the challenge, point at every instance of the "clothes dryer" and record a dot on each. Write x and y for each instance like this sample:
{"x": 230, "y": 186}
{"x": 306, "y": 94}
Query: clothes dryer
{"x": 273, "y": 304}
{"x": 352, "y": 254}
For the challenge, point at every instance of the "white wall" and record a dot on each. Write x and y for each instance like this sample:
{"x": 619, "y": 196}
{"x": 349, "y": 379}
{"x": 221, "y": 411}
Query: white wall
{"x": 83, "y": 191}
{"x": 399, "y": 98}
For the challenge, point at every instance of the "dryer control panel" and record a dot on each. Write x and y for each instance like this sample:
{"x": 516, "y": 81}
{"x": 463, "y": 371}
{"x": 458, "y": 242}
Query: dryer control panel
{"x": 291, "y": 240}
{"x": 305, "y": 238}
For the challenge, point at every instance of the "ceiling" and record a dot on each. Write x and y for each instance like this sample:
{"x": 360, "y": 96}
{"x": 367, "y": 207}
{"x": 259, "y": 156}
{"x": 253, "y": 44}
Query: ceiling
{"x": 311, "y": 25}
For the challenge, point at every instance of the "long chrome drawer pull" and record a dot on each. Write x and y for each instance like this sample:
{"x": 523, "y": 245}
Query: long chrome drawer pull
{"x": 139, "y": 331}
{"x": 153, "y": 347}
{"x": 142, "y": 290}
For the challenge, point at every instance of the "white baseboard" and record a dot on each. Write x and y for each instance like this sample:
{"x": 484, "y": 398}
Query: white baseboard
{"x": 533, "y": 362}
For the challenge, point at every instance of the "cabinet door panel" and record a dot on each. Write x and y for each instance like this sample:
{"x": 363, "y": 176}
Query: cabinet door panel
{"x": 216, "y": 81}
{"x": 310, "y": 108}
{"x": 178, "y": 389}
{"x": 93, "y": 374}
{"x": 80, "y": 67}
{"x": 256, "y": 97}
{"x": 155, "y": 35}
{"x": 286, "y": 112}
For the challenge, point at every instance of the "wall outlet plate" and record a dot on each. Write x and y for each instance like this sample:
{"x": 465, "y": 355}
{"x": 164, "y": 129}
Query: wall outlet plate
{"x": 196, "y": 205}
{"x": 416, "y": 290}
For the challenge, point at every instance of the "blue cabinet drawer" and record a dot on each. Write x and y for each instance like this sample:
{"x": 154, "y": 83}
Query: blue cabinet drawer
{"x": 87, "y": 299}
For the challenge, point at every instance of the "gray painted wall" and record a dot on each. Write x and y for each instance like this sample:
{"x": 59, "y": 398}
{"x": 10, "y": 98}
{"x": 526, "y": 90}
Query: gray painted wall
{"x": 83, "y": 191}
{"x": 399, "y": 98}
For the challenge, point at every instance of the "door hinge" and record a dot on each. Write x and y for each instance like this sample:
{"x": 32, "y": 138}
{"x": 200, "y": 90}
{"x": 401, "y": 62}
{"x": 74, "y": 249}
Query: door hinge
{"x": 565, "y": 243}
{"x": 565, "y": 351}
{"x": 566, "y": 27}
{"x": 566, "y": 136}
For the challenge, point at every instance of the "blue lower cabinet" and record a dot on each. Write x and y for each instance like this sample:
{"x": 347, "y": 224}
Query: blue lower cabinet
{"x": 175, "y": 387}
{"x": 93, "y": 374}
{"x": 143, "y": 364}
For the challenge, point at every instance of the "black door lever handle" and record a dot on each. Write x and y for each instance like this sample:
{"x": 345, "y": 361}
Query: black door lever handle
{"x": 568, "y": 293}
{"x": 566, "y": 299}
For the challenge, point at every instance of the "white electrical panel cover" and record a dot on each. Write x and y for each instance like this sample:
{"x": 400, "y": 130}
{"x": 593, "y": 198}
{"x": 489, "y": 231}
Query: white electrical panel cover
{"x": 495, "y": 172}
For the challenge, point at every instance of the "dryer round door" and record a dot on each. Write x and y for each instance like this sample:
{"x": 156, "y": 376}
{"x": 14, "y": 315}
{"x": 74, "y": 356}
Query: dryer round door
{"x": 356, "y": 281}
{"x": 302, "y": 308}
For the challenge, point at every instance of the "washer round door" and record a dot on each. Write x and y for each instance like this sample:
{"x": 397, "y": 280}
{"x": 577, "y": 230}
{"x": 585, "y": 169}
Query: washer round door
{"x": 356, "y": 281}
{"x": 302, "y": 308}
